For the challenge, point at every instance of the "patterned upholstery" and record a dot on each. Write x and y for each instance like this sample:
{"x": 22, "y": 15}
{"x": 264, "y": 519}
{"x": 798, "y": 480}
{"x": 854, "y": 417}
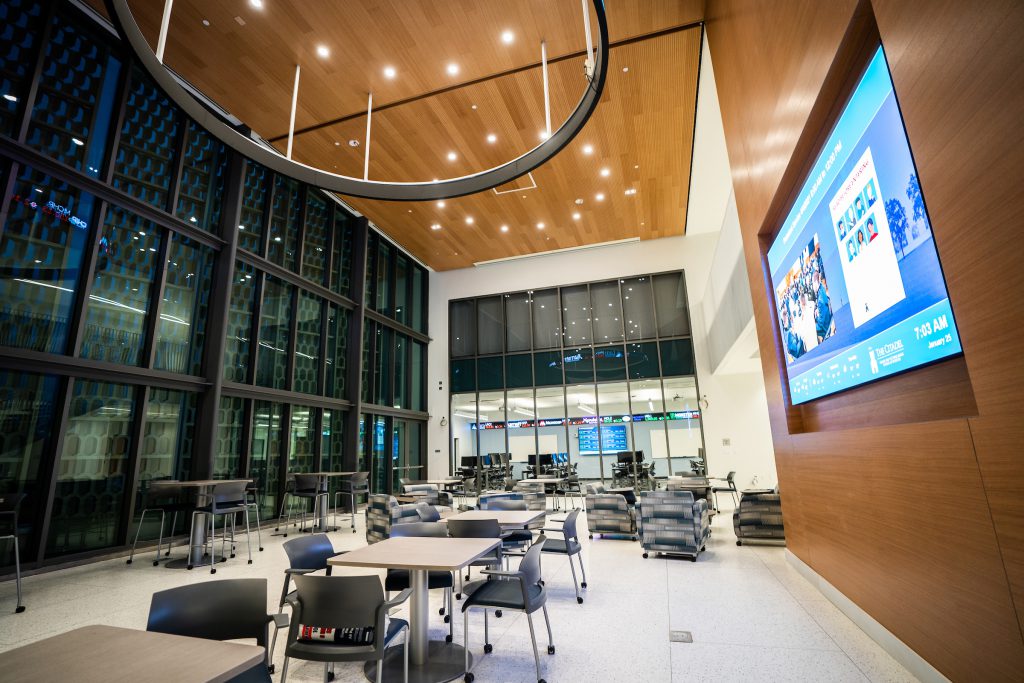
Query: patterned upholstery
{"x": 383, "y": 512}
{"x": 534, "y": 501}
{"x": 759, "y": 516}
{"x": 673, "y": 522}
{"x": 429, "y": 493}
{"x": 595, "y": 488}
{"x": 608, "y": 513}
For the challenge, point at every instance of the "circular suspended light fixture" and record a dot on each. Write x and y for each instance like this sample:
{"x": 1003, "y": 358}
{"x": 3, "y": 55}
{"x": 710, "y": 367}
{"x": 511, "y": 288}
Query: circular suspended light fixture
{"x": 595, "y": 77}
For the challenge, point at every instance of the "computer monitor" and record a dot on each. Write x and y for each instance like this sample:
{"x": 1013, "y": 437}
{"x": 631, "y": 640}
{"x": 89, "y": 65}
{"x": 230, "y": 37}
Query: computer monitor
{"x": 639, "y": 456}
{"x": 625, "y": 457}
{"x": 546, "y": 460}
{"x": 485, "y": 460}
{"x": 532, "y": 458}
{"x": 468, "y": 461}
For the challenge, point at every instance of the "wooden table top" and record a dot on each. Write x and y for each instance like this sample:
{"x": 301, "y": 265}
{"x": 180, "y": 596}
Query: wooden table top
{"x": 110, "y": 654}
{"x": 506, "y": 518}
{"x": 414, "y": 552}
{"x": 198, "y": 483}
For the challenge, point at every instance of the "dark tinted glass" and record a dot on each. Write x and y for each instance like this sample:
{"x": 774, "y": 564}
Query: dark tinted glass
{"x": 677, "y": 357}
{"x": 254, "y": 202}
{"x": 265, "y": 452}
{"x": 90, "y": 488}
{"x": 275, "y": 324}
{"x": 402, "y": 312}
{"x": 382, "y": 287}
{"x": 463, "y": 376}
{"x": 307, "y": 343}
{"x": 229, "y": 437}
{"x": 638, "y": 308}
{"x": 642, "y": 360}
{"x": 518, "y": 334}
{"x": 610, "y": 363}
{"x": 462, "y": 321}
{"x": 547, "y": 330}
{"x": 401, "y": 371}
{"x": 337, "y": 345}
{"x": 147, "y": 147}
{"x": 203, "y": 176}
{"x": 21, "y": 24}
{"x": 41, "y": 255}
{"x": 607, "y": 311}
{"x": 670, "y": 305}
{"x": 576, "y": 315}
{"x": 490, "y": 326}
{"x": 115, "y": 317}
{"x": 382, "y": 366}
{"x": 284, "y": 222}
{"x": 489, "y": 373}
{"x": 547, "y": 368}
{"x": 519, "y": 371}
{"x": 314, "y": 241}
{"x": 181, "y": 328}
{"x": 419, "y": 299}
{"x": 418, "y": 372}
{"x": 77, "y": 94}
{"x": 238, "y": 343}
{"x": 341, "y": 258}
{"x": 579, "y": 365}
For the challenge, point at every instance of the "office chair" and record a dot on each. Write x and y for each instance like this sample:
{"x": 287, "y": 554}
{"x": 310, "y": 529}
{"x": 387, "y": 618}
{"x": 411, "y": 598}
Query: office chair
{"x": 351, "y": 486}
{"x": 569, "y": 545}
{"x": 353, "y": 605}
{"x": 306, "y": 555}
{"x": 476, "y": 528}
{"x": 10, "y": 503}
{"x": 730, "y": 488}
{"x": 397, "y": 580}
{"x": 521, "y": 591}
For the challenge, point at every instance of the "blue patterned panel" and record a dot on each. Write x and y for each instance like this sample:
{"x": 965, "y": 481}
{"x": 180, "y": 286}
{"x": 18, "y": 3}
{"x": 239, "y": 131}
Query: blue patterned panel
{"x": 115, "y": 317}
{"x": 254, "y": 201}
{"x": 341, "y": 264}
{"x": 307, "y": 343}
{"x": 76, "y": 98}
{"x": 314, "y": 241}
{"x": 41, "y": 254}
{"x": 275, "y": 325}
{"x": 181, "y": 327}
{"x": 284, "y": 222}
{"x": 148, "y": 143}
{"x": 229, "y": 438}
{"x": 20, "y": 25}
{"x": 238, "y": 342}
{"x": 202, "y": 180}
{"x": 337, "y": 347}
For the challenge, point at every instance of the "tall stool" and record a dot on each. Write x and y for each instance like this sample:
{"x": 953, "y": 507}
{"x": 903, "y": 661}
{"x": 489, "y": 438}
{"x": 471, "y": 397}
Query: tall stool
{"x": 252, "y": 500}
{"x": 162, "y": 497}
{"x": 352, "y": 486}
{"x": 9, "y": 505}
{"x": 306, "y": 487}
{"x": 226, "y": 499}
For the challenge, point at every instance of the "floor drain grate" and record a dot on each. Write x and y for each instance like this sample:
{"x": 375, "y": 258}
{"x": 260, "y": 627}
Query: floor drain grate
{"x": 680, "y": 637}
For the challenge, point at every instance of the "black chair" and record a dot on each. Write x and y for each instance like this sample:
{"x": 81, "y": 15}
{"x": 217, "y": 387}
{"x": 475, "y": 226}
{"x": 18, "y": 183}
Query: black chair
{"x": 252, "y": 499}
{"x": 518, "y": 538}
{"x": 10, "y": 503}
{"x": 730, "y": 488}
{"x": 521, "y": 591}
{"x": 162, "y": 497}
{"x": 476, "y": 528}
{"x": 306, "y": 555}
{"x": 231, "y": 609}
{"x": 226, "y": 500}
{"x": 352, "y": 486}
{"x": 310, "y": 487}
{"x": 568, "y": 545}
{"x": 355, "y": 607}
{"x": 571, "y": 488}
{"x": 397, "y": 580}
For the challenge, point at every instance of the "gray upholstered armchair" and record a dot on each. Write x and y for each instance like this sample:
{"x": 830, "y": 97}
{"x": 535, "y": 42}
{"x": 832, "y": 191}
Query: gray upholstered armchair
{"x": 608, "y": 513}
{"x": 429, "y": 493}
{"x": 672, "y": 522}
{"x": 383, "y": 512}
{"x": 759, "y": 517}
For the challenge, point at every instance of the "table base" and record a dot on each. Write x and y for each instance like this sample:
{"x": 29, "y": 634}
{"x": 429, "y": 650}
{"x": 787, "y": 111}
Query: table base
{"x": 446, "y": 662}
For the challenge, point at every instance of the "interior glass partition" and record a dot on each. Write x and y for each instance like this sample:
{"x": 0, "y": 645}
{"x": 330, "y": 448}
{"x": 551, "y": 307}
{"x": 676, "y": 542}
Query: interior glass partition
{"x": 550, "y": 417}
{"x": 581, "y": 401}
{"x": 463, "y": 427}
{"x": 649, "y": 421}
{"x": 491, "y": 422}
{"x": 615, "y": 435}
{"x": 265, "y": 454}
{"x": 522, "y": 431}
{"x": 684, "y": 428}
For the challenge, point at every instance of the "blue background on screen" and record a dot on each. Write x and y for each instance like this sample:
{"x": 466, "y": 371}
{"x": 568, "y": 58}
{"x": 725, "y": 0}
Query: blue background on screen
{"x": 844, "y": 359}
{"x": 612, "y": 438}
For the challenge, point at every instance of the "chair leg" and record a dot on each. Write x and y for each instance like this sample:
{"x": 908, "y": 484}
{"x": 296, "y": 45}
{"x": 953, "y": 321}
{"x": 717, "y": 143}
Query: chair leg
{"x": 160, "y": 538}
{"x": 551, "y": 638}
{"x": 487, "y": 635}
{"x": 256, "y": 508}
{"x": 170, "y": 535}
{"x": 533, "y": 637}
{"x": 465, "y": 636}
{"x": 582, "y": 569}
{"x": 248, "y": 539}
{"x": 213, "y": 544}
{"x": 131, "y": 555}
{"x": 451, "y": 615}
{"x": 280, "y": 514}
{"x": 232, "y": 516}
{"x": 17, "y": 570}
{"x": 575, "y": 583}
{"x": 405, "y": 657}
{"x": 380, "y": 670}
{"x": 284, "y": 670}
{"x": 327, "y": 671}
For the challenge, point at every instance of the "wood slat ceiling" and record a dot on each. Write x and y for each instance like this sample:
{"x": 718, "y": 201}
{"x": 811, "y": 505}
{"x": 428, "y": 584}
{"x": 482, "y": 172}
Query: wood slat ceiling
{"x": 642, "y": 130}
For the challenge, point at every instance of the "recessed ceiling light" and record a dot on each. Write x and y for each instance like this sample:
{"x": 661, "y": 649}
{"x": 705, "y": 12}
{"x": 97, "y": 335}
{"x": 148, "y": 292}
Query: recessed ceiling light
{"x": 440, "y": 204}
{"x": 631, "y": 191}
{"x": 322, "y": 51}
{"x": 469, "y": 220}
{"x": 507, "y": 37}
{"x": 579, "y": 200}
{"x": 504, "y": 228}
{"x": 353, "y": 143}
{"x": 605, "y": 172}
{"x": 389, "y": 72}
{"x": 452, "y": 156}
{"x": 492, "y": 138}
{"x": 588, "y": 149}
{"x": 544, "y": 135}
{"x": 77, "y": 141}
{"x": 576, "y": 216}
{"x": 473, "y": 107}
{"x": 625, "y": 69}
{"x": 435, "y": 226}
{"x": 206, "y": 22}
{"x": 337, "y": 144}
{"x": 540, "y": 226}
{"x": 636, "y": 165}
{"x": 256, "y": 4}
{"x": 599, "y": 196}
{"x": 453, "y": 69}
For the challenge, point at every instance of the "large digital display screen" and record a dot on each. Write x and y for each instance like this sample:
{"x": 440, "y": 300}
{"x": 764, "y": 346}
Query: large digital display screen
{"x": 858, "y": 288}
{"x": 611, "y": 439}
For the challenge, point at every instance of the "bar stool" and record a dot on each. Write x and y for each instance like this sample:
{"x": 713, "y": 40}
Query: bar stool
{"x": 226, "y": 499}
{"x": 356, "y": 484}
{"x": 305, "y": 487}
{"x": 252, "y": 499}
{"x": 9, "y": 505}
{"x": 162, "y": 497}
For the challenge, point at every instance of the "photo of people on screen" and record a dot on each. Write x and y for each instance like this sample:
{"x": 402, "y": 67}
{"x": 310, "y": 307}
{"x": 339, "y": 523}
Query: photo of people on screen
{"x": 841, "y": 228}
{"x": 858, "y": 207}
{"x": 869, "y": 193}
{"x": 805, "y": 307}
{"x": 851, "y": 250}
{"x": 871, "y": 228}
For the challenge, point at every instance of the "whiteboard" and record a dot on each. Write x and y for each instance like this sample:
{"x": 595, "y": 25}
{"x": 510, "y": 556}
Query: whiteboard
{"x": 520, "y": 447}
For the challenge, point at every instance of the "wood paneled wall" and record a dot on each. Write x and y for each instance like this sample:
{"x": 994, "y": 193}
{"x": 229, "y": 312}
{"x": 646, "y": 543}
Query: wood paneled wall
{"x": 918, "y": 521}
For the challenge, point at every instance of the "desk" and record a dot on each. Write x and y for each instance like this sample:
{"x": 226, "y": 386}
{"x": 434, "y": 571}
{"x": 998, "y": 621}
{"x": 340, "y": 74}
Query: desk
{"x": 109, "y": 654}
{"x": 321, "y": 523}
{"x": 507, "y": 519}
{"x": 197, "y": 541}
{"x": 430, "y": 661}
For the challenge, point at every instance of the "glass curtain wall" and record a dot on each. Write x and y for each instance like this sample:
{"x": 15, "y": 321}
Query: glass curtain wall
{"x": 522, "y": 429}
{"x": 581, "y": 400}
{"x": 550, "y": 417}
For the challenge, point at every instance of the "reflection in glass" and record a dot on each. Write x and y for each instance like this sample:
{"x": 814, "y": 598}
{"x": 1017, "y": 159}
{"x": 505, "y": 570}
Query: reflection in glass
{"x": 489, "y": 373}
{"x": 462, "y": 330}
{"x": 402, "y": 312}
{"x": 300, "y": 452}
{"x": 41, "y": 252}
{"x": 382, "y": 367}
{"x": 148, "y": 143}
{"x": 684, "y": 434}
{"x": 181, "y": 328}
{"x": 284, "y": 221}
{"x": 547, "y": 327}
{"x": 582, "y": 408}
{"x": 491, "y": 435}
{"x": 615, "y": 434}
{"x": 490, "y": 325}
{"x": 275, "y": 322}
{"x": 547, "y": 368}
{"x": 166, "y": 449}
{"x": 229, "y": 437}
{"x": 607, "y": 311}
{"x": 419, "y": 376}
{"x": 401, "y": 399}
{"x": 649, "y": 423}
{"x": 670, "y": 304}
{"x": 91, "y": 470}
{"x": 203, "y": 176}
{"x": 551, "y": 428}
{"x": 642, "y": 360}
{"x": 337, "y": 345}
{"x": 22, "y": 21}
{"x": 638, "y": 308}
{"x": 382, "y": 290}
{"x": 519, "y": 371}
{"x": 463, "y": 375}
{"x": 576, "y": 315}
{"x": 254, "y": 200}
{"x": 307, "y": 343}
{"x": 463, "y": 427}
{"x": 579, "y": 365}
{"x": 26, "y": 429}
{"x": 237, "y": 344}
{"x": 419, "y": 299}
{"x": 314, "y": 239}
{"x": 115, "y": 318}
{"x": 518, "y": 335}
{"x": 677, "y": 357}
{"x": 341, "y": 258}
{"x": 610, "y": 363}
{"x": 522, "y": 429}
{"x": 265, "y": 454}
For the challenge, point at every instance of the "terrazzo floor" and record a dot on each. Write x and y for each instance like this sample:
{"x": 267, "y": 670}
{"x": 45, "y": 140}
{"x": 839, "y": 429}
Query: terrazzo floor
{"x": 752, "y": 616}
